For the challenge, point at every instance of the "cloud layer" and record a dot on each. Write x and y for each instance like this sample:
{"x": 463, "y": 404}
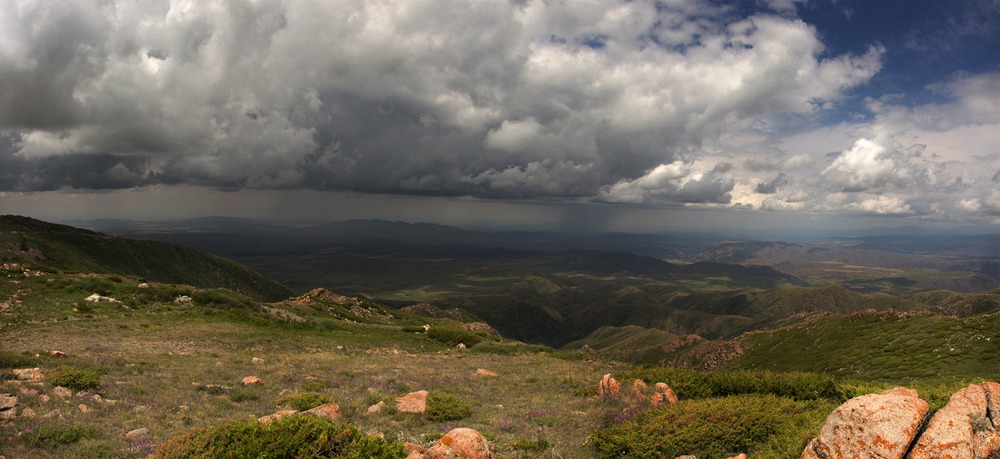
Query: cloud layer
{"x": 682, "y": 103}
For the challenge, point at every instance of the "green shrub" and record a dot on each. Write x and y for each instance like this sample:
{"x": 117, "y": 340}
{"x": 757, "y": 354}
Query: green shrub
{"x": 243, "y": 395}
{"x": 413, "y": 329}
{"x": 454, "y": 336}
{"x": 82, "y": 379}
{"x": 53, "y": 433}
{"x": 488, "y": 347}
{"x": 306, "y": 401}
{"x": 689, "y": 384}
{"x": 220, "y": 298}
{"x": 759, "y": 425}
{"x": 446, "y": 407}
{"x": 291, "y": 437}
{"x": 534, "y": 446}
{"x": 13, "y": 360}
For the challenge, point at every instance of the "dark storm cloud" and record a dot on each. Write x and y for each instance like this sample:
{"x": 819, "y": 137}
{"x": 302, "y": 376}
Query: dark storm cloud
{"x": 402, "y": 98}
{"x": 771, "y": 187}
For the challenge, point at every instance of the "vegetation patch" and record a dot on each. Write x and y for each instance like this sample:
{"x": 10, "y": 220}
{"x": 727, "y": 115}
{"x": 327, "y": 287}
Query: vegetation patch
{"x": 15, "y": 360}
{"x": 54, "y": 433}
{"x": 446, "y": 407}
{"x": 454, "y": 336}
{"x": 688, "y": 384}
{"x": 292, "y": 437}
{"x": 81, "y": 379}
{"x": 306, "y": 401}
{"x": 759, "y": 425}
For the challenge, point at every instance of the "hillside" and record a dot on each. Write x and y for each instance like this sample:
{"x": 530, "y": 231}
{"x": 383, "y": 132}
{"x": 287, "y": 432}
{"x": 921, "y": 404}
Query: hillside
{"x": 59, "y": 247}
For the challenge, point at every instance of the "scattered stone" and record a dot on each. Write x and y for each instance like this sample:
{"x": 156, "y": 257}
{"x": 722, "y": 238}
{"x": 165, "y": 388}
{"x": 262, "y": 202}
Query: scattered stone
{"x": 52, "y": 414}
{"x": 414, "y": 402}
{"x": 62, "y": 392}
{"x": 328, "y": 411}
{"x": 95, "y": 298}
{"x": 486, "y": 373}
{"x": 950, "y": 433}
{"x": 251, "y": 380}
{"x": 144, "y": 285}
{"x": 135, "y": 433}
{"x": 183, "y": 408}
{"x": 44, "y": 398}
{"x": 59, "y": 354}
{"x": 27, "y": 391}
{"x": 83, "y": 408}
{"x": 8, "y": 406}
{"x": 257, "y": 361}
{"x": 182, "y": 299}
{"x": 874, "y": 425}
{"x": 608, "y": 387}
{"x": 310, "y": 378}
{"x": 28, "y": 374}
{"x": 27, "y": 412}
{"x": 461, "y": 346}
{"x": 662, "y": 393}
{"x": 277, "y": 416}
{"x": 284, "y": 392}
{"x": 461, "y": 443}
{"x": 375, "y": 408}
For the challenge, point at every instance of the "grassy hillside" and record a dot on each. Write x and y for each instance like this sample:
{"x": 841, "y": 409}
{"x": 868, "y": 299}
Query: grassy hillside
{"x": 58, "y": 247}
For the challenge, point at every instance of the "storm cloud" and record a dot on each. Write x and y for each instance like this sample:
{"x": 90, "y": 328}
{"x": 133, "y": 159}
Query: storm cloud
{"x": 608, "y": 101}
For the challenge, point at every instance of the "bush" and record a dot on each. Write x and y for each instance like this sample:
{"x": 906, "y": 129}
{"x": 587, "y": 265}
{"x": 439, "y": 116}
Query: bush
{"x": 243, "y": 395}
{"x": 487, "y": 347}
{"x": 291, "y": 437}
{"x": 534, "y": 446}
{"x": 306, "y": 401}
{"x": 453, "y": 336}
{"x": 78, "y": 379}
{"x": 221, "y": 298}
{"x": 759, "y": 425}
{"x": 446, "y": 407}
{"x": 313, "y": 386}
{"x": 12, "y": 360}
{"x": 55, "y": 433}
{"x": 689, "y": 384}
{"x": 413, "y": 329}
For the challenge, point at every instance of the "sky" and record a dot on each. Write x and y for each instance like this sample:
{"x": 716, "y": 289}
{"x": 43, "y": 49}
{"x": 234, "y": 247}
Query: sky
{"x": 591, "y": 115}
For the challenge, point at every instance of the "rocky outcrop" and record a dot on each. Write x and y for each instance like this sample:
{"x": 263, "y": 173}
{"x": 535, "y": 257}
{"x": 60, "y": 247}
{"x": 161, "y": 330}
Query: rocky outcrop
{"x": 662, "y": 394}
{"x": 875, "y": 425}
{"x": 951, "y": 433}
{"x": 414, "y": 402}
{"x": 461, "y": 443}
{"x": 275, "y": 417}
{"x": 886, "y": 425}
{"x": 609, "y": 386}
{"x": 329, "y": 411}
{"x": 28, "y": 374}
{"x": 8, "y": 406}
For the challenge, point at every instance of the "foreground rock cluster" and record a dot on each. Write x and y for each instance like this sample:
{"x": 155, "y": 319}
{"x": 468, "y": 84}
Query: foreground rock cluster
{"x": 888, "y": 426}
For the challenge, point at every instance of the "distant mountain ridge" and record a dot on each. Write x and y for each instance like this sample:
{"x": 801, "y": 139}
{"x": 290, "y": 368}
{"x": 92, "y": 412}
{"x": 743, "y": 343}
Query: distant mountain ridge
{"x": 54, "y": 246}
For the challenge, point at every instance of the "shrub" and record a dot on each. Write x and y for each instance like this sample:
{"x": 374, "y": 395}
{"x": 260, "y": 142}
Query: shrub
{"x": 689, "y": 384}
{"x": 487, "y": 347}
{"x": 313, "y": 386}
{"x": 55, "y": 433}
{"x": 306, "y": 401}
{"x": 413, "y": 329}
{"x": 535, "y": 446}
{"x": 82, "y": 379}
{"x": 13, "y": 360}
{"x": 220, "y": 298}
{"x": 759, "y": 425}
{"x": 453, "y": 336}
{"x": 291, "y": 437}
{"x": 446, "y": 407}
{"x": 243, "y": 395}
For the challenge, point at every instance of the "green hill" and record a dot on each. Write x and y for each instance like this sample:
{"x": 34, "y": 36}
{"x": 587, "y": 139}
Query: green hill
{"x": 50, "y": 246}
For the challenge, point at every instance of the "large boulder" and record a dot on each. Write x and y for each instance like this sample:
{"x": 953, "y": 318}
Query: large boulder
{"x": 662, "y": 393}
{"x": 992, "y": 390}
{"x": 8, "y": 406}
{"x": 329, "y": 411}
{"x": 951, "y": 433}
{"x": 414, "y": 402}
{"x": 461, "y": 443}
{"x": 875, "y": 425}
{"x": 609, "y": 386}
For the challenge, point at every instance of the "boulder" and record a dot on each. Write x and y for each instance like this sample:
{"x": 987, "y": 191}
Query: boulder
{"x": 639, "y": 389}
{"x": 992, "y": 390}
{"x": 136, "y": 433}
{"x": 251, "y": 380}
{"x": 413, "y": 451}
{"x": 29, "y": 374}
{"x": 414, "y": 402}
{"x": 662, "y": 393}
{"x": 375, "y": 408}
{"x": 486, "y": 373}
{"x": 257, "y": 361}
{"x": 951, "y": 434}
{"x": 609, "y": 386}
{"x": 874, "y": 425}
{"x": 27, "y": 412}
{"x": 277, "y": 416}
{"x": 62, "y": 392}
{"x": 83, "y": 408}
{"x": 8, "y": 406}
{"x": 326, "y": 411}
{"x": 59, "y": 354}
{"x": 461, "y": 443}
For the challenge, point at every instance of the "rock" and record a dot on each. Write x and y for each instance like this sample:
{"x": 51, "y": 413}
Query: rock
{"x": 639, "y": 387}
{"x": 739, "y": 456}
{"x": 62, "y": 392}
{"x": 375, "y": 408}
{"x": 8, "y": 406}
{"x": 327, "y": 411}
{"x": 182, "y": 299}
{"x": 27, "y": 391}
{"x": 992, "y": 390}
{"x": 413, "y": 451}
{"x": 28, "y": 374}
{"x": 83, "y": 408}
{"x": 257, "y": 361}
{"x": 27, "y": 412}
{"x": 662, "y": 393}
{"x": 874, "y": 425}
{"x": 277, "y": 416}
{"x": 59, "y": 354}
{"x": 251, "y": 380}
{"x": 135, "y": 433}
{"x": 461, "y": 346}
{"x": 461, "y": 443}
{"x": 44, "y": 398}
{"x": 414, "y": 402}
{"x": 144, "y": 285}
{"x": 415, "y": 455}
{"x": 52, "y": 414}
{"x": 608, "y": 387}
{"x": 486, "y": 373}
{"x": 950, "y": 434}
